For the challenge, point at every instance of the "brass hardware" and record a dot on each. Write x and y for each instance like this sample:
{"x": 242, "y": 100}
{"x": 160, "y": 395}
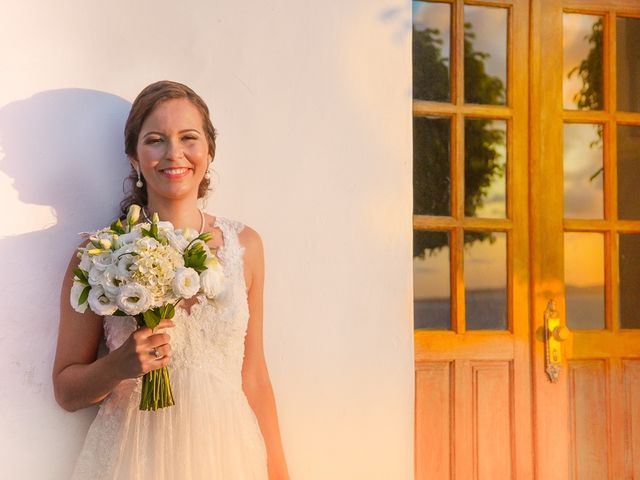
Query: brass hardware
{"x": 554, "y": 335}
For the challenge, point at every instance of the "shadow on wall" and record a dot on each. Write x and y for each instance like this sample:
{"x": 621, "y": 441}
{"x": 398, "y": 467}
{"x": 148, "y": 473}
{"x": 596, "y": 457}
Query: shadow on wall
{"x": 63, "y": 149}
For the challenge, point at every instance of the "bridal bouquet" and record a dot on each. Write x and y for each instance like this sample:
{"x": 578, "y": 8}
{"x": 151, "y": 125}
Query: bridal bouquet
{"x": 144, "y": 270}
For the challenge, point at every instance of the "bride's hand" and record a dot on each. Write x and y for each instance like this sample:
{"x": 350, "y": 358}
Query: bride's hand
{"x": 144, "y": 350}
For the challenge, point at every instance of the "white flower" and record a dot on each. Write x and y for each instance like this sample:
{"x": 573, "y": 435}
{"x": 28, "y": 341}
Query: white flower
{"x": 146, "y": 243}
{"x": 187, "y": 233}
{"x": 165, "y": 225}
{"x": 100, "y": 303}
{"x": 102, "y": 261}
{"x": 111, "y": 280}
{"x": 212, "y": 281}
{"x": 76, "y": 291}
{"x": 96, "y": 276}
{"x": 186, "y": 282}
{"x": 133, "y": 299}
{"x": 176, "y": 240}
{"x": 130, "y": 237}
{"x": 124, "y": 260}
{"x": 85, "y": 262}
{"x": 133, "y": 214}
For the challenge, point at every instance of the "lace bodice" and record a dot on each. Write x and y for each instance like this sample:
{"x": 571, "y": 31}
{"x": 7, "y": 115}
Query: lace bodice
{"x": 211, "y": 335}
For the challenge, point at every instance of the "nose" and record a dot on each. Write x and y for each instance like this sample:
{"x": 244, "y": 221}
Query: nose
{"x": 174, "y": 150}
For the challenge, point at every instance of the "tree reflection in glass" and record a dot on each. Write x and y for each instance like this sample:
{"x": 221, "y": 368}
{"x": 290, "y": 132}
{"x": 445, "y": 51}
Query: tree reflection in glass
{"x": 485, "y": 168}
{"x": 431, "y": 165}
{"x": 431, "y": 51}
{"x": 485, "y": 55}
{"x": 583, "y": 86}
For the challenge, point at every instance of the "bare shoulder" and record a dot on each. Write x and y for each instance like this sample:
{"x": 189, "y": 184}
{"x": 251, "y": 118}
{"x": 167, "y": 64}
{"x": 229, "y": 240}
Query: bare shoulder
{"x": 250, "y": 240}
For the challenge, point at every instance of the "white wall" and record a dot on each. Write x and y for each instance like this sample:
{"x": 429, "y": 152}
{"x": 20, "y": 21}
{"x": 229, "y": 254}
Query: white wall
{"x": 313, "y": 104}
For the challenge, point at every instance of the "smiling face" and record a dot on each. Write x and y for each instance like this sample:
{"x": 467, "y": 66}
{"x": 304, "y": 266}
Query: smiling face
{"x": 172, "y": 150}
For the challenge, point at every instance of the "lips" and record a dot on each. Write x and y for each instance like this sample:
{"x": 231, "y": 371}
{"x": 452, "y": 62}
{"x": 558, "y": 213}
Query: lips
{"x": 175, "y": 172}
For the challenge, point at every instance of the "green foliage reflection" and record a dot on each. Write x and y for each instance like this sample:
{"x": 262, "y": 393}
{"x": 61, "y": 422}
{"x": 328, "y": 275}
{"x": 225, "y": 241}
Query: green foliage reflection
{"x": 431, "y": 162}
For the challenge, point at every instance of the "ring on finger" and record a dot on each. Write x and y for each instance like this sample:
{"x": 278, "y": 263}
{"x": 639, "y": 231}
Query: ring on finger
{"x": 156, "y": 353}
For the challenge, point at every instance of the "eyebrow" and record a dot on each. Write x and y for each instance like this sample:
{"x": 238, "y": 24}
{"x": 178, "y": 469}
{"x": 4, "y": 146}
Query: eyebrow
{"x": 181, "y": 131}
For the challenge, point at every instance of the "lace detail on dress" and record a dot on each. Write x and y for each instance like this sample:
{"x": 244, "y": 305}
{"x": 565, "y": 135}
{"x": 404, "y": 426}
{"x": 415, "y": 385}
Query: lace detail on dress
{"x": 212, "y": 431}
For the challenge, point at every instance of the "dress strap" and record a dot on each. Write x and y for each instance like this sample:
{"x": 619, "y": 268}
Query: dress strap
{"x": 231, "y": 252}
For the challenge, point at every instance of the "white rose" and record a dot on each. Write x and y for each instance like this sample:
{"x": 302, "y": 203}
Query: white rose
{"x": 212, "y": 281}
{"x": 133, "y": 299}
{"x": 186, "y": 282}
{"x": 76, "y": 291}
{"x": 100, "y": 303}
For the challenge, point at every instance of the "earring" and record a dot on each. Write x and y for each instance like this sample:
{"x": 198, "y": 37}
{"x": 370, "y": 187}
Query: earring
{"x": 139, "y": 183}
{"x": 207, "y": 174}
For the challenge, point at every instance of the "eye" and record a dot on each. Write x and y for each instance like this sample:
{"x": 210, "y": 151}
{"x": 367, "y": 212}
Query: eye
{"x": 189, "y": 137}
{"x": 152, "y": 140}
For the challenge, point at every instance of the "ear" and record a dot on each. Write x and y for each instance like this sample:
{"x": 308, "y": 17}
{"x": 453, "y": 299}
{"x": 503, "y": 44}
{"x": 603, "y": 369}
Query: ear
{"x": 134, "y": 164}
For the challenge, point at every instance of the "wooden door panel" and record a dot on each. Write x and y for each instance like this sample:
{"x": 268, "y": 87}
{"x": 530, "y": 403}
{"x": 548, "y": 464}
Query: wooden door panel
{"x": 589, "y": 419}
{"x": 492, "y": 419}
{"x": 434, "y": 419}
{"x": 631, "y": 423}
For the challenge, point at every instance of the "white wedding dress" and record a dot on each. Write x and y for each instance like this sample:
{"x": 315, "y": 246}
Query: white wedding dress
{"x": 211, "y": 433}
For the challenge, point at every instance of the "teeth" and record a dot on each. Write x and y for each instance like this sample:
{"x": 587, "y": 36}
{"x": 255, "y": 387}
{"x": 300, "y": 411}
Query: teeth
{"x": 175, "y": 171}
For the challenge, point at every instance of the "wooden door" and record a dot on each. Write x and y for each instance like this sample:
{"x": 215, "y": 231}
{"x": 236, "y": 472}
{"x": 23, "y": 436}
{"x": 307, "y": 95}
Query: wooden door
{"x": 585, "y": 207}
{"x": 471, "y": 253}
{"x": 512, "y": 210}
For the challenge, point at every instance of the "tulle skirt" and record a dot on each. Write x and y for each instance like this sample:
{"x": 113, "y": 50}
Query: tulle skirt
{"x": 210, "y": 433}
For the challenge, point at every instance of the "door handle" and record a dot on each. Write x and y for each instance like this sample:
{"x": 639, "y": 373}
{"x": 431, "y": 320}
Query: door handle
{"x": 554, "y": 335}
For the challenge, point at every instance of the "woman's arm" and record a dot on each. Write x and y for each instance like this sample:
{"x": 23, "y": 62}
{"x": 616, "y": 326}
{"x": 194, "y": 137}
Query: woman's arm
{"x": 79, "y": 379}
{"x": 255, "y": 377}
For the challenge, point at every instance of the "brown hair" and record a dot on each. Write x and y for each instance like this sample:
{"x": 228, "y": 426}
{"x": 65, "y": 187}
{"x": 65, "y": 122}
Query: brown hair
{"x": 143, "y": 105}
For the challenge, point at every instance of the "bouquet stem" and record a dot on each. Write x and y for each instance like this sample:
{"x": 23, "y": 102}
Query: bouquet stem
{"x": 156, "y": 390}
{"x": 156, "y": 387}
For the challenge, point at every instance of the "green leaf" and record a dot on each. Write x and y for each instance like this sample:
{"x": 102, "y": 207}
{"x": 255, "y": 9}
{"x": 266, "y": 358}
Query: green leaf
{"x": 81, "y": 276}
{"x": 119, "y": 313}
{"x": 167, "y": 311}
{"x": 117, "y": 227}
{"x": 151, "y": 318}
{"x": 84, "y": 295}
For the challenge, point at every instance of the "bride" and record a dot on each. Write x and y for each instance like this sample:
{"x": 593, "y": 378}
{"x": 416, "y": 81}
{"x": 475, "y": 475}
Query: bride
{"x": 224, "y": 424}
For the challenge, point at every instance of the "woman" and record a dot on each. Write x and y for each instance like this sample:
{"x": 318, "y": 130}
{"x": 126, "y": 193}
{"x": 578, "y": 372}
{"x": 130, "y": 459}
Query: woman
{"x": 224, "y": 424}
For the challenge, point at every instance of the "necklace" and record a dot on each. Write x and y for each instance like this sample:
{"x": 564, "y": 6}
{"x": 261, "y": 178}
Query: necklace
{"x": 146, "y": 217}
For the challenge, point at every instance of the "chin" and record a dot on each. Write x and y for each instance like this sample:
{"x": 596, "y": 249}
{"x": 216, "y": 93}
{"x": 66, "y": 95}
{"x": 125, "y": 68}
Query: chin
{"x": 176, "y": 193}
